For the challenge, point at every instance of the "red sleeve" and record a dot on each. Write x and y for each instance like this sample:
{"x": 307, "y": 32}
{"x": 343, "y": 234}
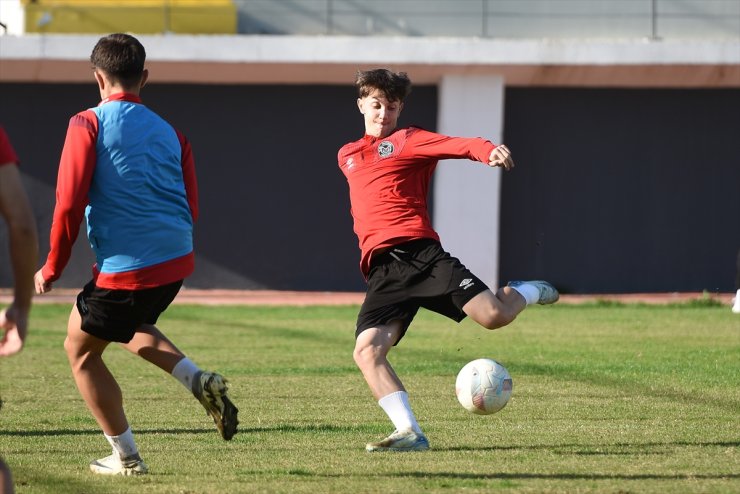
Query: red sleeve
{"x": 439, "y": 147}
{"x": 76, "y": 169}
{"x": 7, "y": 153}
{"x": 188, "y": 174}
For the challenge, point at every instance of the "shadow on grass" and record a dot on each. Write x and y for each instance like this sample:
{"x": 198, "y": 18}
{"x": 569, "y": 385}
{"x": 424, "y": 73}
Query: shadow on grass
{"x": 298, "y": 472}
{"x": 96, "y": 432}
{"x": 561, "y": 476}
{"x": 601, "y": 449}
{"x": 288, "y": 428}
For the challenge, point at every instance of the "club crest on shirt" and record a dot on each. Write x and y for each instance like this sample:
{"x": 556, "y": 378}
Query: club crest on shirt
{"x": 385, "y": 149}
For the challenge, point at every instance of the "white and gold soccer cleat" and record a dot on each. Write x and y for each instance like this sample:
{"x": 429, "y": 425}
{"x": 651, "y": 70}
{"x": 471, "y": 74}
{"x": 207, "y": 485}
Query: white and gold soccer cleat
{"x": 406, "y": 440}
{"x": 210, "y": 389}
{"x": 114, "y": 465}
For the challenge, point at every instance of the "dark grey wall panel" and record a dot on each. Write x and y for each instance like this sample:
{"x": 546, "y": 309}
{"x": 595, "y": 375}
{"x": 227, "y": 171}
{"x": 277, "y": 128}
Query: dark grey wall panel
{"x": 614, "y": 190}
{"x": 622, "y": 190}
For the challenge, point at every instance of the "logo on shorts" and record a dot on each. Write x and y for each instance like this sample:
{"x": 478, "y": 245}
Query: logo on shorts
{"x": 385, "y": 148}
{"x": 82, "y": 306}
{"x": 467, "y": 283}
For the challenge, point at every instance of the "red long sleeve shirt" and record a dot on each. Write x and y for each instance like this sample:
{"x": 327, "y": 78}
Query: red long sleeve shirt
{"x": 389, "y": 182}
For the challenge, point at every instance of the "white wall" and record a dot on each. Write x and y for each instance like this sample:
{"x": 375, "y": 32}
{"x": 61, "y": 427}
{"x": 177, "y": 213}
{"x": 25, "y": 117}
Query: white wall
{"x": 467, "y": 194}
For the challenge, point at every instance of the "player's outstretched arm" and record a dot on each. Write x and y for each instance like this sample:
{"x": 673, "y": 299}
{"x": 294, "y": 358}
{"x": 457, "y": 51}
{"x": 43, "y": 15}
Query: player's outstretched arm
{"x": 501, "y": 156}
{"x": 23, "y": 245}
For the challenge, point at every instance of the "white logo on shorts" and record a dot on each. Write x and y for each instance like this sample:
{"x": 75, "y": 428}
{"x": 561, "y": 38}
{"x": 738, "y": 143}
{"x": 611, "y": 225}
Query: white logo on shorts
{"x": 467, "y": 283}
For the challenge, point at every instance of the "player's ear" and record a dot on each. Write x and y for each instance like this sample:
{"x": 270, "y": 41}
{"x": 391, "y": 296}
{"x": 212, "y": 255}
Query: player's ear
{"x": 144, "y": 78}
{"x": 100, "y": 79}
{"x": 359, "y": 105}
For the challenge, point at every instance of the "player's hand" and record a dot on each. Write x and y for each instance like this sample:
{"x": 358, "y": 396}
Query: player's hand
{"x": 40, "y": 283}
{"x": 501, "y": 156}
{"x": 14, "y": 325}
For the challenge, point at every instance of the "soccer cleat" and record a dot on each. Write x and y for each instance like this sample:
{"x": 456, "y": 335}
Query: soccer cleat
{"x": 114, "y": 465}
{"x": 548, "y": 293}
{"x": 406, "y": 440}
{"x": 210, "y": 389}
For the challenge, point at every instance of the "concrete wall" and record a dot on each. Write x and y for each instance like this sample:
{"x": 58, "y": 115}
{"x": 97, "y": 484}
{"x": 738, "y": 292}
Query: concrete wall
{"x": 466, "y": 195}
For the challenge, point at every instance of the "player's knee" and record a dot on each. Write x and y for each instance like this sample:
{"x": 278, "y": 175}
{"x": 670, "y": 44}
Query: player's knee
{"x": 77, "y": 354}
{"x": 495, "y": 319}
{"x": 69, "y": 347}
{"x": 366, "y": 355}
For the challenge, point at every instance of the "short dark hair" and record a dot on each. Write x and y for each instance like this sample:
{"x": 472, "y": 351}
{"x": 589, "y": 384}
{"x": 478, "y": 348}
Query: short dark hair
{"x": 121, "y": 57}
{"x": 394, "y": 85}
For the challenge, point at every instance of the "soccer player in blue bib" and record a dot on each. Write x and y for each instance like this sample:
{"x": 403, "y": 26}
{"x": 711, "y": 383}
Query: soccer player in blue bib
{"x": 131, "y": 175}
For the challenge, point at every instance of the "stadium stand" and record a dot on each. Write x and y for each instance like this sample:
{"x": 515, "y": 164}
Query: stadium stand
{"x": 139, "y": 16}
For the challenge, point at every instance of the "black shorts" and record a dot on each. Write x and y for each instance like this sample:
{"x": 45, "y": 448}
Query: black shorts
{"x": 115, "y": 315}
{"x": 416, "y": 274}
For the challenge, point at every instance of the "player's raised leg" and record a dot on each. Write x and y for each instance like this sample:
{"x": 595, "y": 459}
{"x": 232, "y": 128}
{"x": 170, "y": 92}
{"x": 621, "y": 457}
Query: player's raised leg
{"x": 209, "y": 388}
{"x": 497, "y": 310}
{"x": 371, "y": 356}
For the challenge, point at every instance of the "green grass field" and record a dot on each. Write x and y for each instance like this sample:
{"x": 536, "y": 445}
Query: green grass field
{"x": 607, "y": 398}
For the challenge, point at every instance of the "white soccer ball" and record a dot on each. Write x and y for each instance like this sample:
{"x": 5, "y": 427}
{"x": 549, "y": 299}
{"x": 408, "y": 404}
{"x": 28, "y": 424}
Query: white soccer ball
{"x": 483, "y": 386}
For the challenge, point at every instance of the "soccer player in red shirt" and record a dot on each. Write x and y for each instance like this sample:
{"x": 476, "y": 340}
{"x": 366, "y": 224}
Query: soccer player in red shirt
{"x": 388, "y": 172}
{"x": 24, "y": 250}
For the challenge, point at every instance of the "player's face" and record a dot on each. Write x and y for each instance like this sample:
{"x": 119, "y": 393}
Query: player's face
{"x": 380, "y": 114}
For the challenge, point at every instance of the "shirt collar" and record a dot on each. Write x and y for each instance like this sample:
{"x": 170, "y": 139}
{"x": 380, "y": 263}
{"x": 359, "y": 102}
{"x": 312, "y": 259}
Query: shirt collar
{"x": 121, "y": 97}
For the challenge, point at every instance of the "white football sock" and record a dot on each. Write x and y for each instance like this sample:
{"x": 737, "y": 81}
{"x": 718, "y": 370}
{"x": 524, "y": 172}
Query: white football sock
{"x": 123, "y": 444}
{"x": 396, "y": 405}
{"x": 185, "y": 371}
{"x": 530, "y": 293}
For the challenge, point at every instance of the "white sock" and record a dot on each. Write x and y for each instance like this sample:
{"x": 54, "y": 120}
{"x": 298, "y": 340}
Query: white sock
{"x": 185, "y": 371}
{"x": 530, "y": 293}
{"x": 396, "y": 405}
{"x": 123, "y": 444}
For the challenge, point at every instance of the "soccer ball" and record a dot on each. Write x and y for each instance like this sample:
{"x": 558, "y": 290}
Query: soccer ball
{"x": 483, "y": 386}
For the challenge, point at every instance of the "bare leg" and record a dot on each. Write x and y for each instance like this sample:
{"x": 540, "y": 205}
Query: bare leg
{"x": 371, "y": 356}
{"x": 96, "y": 384}
{"x": 494, "y": 311}
{"x": 154, "y": 347}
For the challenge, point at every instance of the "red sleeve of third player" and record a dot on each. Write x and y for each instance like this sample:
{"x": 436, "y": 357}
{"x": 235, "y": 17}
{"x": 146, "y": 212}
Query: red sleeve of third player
{"x": 7, "y": 153}
{"x": 76, "y": 169}
{"x": 188, "y": 174}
